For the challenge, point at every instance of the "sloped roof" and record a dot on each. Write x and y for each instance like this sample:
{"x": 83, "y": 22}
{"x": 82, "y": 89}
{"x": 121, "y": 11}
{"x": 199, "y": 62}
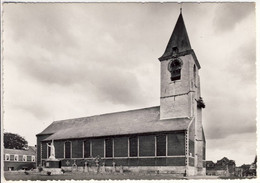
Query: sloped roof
{"x": 120, "y": 123}
{"x": 179, "y": 39}
{"x": 29, "y": 151}
{"x": 32, "y": 148}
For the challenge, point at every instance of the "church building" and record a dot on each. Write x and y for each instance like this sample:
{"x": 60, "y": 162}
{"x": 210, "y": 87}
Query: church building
{"x": 167, "y": 139}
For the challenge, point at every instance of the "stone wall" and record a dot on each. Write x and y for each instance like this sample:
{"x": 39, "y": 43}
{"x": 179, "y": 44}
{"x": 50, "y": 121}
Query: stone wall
{"x": 175, "y": 95}
{"x": 39, "y": 147}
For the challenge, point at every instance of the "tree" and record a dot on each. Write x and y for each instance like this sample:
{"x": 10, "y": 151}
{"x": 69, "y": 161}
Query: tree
{"x": 14, "y": 141}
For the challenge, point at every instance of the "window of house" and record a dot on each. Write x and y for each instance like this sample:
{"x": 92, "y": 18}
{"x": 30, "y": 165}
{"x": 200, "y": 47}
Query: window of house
{"x": 175, "y": 69}
{"x": 109, "y": 147}
{"x": 67, "y": 149}
{"x": 87, "y": 149}
{"x": 11, "y": 157}
{"x": 29, "y": 158}
{"x": 24, "y": 158}
{"x": 33, "y": 158}
{"x": 7, "y": 157}
{"x": 161, "y": 145}
{"x": 133, "y": 149}
{"x": 15, "y": 157}
{"x": 20, "y": 158}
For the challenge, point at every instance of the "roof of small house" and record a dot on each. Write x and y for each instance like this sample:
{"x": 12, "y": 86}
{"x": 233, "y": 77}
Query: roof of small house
{"x": 225, "y": 160}
{"x": 29, "y": 151}
{"x": 145, "y": 120}
{"x": 210, "y": 162}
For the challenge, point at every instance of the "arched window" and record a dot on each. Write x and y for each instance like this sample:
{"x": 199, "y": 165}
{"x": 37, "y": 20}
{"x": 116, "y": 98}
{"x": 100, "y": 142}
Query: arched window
{"x": 175, "y": 69}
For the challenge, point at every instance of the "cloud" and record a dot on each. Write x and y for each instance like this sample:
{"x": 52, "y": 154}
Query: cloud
{"x": 228, "y": 15}
{"x": 30, "y": 24}
{"x": 244, "y": 66}
{"x": 39, "y": 111}
{"x": 241, "y": 148}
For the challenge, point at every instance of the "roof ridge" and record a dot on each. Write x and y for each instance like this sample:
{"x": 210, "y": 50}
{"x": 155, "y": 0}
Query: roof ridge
{"x": 132, "y": 110}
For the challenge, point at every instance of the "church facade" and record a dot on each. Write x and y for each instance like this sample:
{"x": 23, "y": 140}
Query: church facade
{"x": 167, "y": 138}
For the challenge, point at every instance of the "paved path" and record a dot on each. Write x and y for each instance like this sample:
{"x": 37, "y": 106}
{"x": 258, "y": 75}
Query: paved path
{"x": 203, "y": 177}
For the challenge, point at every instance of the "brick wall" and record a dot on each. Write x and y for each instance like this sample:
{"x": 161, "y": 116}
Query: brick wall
{"x": 39, "y": 150}
{"x": 176, "y": 147}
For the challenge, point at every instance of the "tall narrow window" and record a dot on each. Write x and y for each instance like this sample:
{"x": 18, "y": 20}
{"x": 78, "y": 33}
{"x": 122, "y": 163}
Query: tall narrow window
{"x": 146, "y": 145}
{"x": 120, "y": 147}
{"x": 67, "y": 149}
{"x": 109, "y": 147}
{"x": 33, "y": 158}
{"x": 133, "y": 146}
{"x": 161, "y": 145}
{"x": 176, "y": 144}
{"x": 175, "y": 69}
{"x": 97, "y": 147}
{"x": 87, "y": 149}
{"x": 194, "y": 74}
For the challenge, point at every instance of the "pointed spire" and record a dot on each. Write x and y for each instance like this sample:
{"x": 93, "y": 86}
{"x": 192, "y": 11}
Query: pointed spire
{"x": 179, "y": 41}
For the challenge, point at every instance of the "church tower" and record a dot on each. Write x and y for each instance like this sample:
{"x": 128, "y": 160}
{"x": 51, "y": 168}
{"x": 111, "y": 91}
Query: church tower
{"x": 180, "y": 89}
{"x": 179, "y": 76}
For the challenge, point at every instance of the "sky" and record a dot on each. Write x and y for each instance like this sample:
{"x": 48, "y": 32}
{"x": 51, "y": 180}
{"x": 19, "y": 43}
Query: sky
{"x": 70, "y": 60}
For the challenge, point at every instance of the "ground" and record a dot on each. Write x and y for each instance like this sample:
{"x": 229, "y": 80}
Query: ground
{"x": 84, "y": 176}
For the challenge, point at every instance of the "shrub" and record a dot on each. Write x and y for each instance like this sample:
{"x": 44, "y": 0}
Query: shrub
{"x": 40, "y": 169}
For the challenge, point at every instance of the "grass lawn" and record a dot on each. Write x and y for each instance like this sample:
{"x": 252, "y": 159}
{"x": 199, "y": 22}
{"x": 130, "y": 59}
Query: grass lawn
{"x": 85, "y": 176}
{"x": 249, "y": 177}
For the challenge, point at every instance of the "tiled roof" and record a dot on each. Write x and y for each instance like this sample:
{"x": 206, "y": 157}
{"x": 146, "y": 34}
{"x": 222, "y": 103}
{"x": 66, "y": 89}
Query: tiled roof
{"x": 20, "y": 152}
{"x": 120, "y": 123}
